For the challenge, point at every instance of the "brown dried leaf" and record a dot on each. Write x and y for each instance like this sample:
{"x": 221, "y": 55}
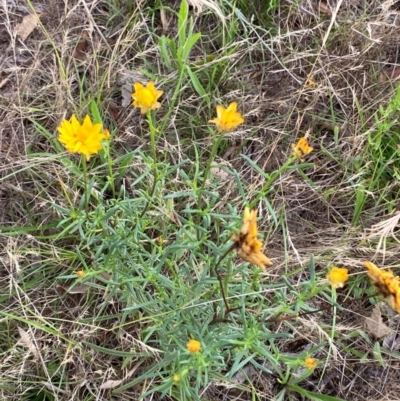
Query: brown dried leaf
{"x": 80, "y": 52}
{"x": 111, "y": 384}
{"x": 375, "y": 324}
{"x": 392, "y": 73}
{"x": 79, "y": 289}
{"x": 26, "y": 27}
{"x": 105, "y": 275}
{"x": 126, "y": 94}
{"x": 164, "y": 20}
{"x": 27, "y": 341}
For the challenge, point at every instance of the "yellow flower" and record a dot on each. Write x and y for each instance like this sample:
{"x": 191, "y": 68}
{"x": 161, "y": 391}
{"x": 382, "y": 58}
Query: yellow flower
{"x": 80, "y": 273}
{"x": 193, "y": 346}
{"x": 106, "y": 133}
{"x": 310, "y": 363}
{"x": 176, "y": 378}
{"x": 146, "y": 97}
{"x": 227, "y": 119}
{"x": 81, "y": 138}
{"x": 338, "y": 276}
{"x": 301, "y": 148}
{"x": 310, "y": 83}
{"x": 247, "y": 245}
{"x": 386, "y": 283}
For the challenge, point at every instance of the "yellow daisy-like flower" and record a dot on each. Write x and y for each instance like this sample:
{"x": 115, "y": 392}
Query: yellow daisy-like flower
{"x": 146, "y": 98}
{"x": 80, "y": 273}
{"x": 227, "y": 119}
{"x": 176, "y": 378}
{"x": 310, "y": 363}
{"x": 386, "y": 283}
{"x": 81, "y": 138}
{"x": 301, "y": 148}
{"x": 247, "y": 245}
{"x": 338, "y": 276}
{"x": 193, "y": 346}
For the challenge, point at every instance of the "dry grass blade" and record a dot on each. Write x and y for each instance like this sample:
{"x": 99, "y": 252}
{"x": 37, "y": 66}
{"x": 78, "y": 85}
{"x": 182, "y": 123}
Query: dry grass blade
{"x": 27, "y": 341}
{"x": 199, "y": 4}
{"x": 115, "y": 383}
{"x": 375, "y": 324}
{"x": 383, "y": 230}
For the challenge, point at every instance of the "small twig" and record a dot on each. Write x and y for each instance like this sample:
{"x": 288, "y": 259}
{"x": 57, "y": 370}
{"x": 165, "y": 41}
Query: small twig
{"x": 221, "y": 286}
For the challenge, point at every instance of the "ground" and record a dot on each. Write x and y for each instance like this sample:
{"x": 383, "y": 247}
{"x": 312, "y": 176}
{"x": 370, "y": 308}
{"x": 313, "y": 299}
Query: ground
{"x": 111, "y": 265}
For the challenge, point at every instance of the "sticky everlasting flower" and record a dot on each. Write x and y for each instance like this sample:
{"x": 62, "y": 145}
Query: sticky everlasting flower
{"x": 80, "y": 273}
{"x": 193, "y": 346}
{"x": 227, "y": 119}
{"x": 247, "y": 245}
{"x": 176, "y": 378}
{"x": 310, "y": 363}
{"x": 81, "y": 138}
{"x": 146, "y": 98}
{"x": 338, "y": 276}
{"x": 301, "y": 148}
{"x": 386, "y": 283}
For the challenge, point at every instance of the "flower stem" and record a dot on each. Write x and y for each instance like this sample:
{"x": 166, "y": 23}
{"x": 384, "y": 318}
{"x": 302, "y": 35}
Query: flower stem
{"x": 228, "y": 309}
{"x": 153, "y": 131}
{"x": 110, "y": 170}
{"x": 216, "y": 142}
{"x": 85, "y": 179}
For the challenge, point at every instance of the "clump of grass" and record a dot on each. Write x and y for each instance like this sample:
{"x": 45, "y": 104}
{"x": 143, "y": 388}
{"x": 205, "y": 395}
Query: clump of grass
{"x": 129, "y": 265}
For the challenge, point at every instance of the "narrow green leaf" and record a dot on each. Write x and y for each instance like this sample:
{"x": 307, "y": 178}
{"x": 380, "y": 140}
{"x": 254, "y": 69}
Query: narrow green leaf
{"x": 162, "y": 45}
{"x": 182, "y": 22}
{"x": 313, "y": 396}
{"x": 48, "y": 135}
{"x": 378, "y": 354}
{"x": 95, "y": 112}
{"x": 189, "y": 44}
{"x": 359, "y": 206}
{"x": 197, "y": 86}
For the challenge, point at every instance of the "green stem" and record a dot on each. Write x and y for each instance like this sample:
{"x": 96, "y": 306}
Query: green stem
{"x": 217, "y": 139}
{"x": 334, "y": 298}
{"x": 110, "y": 170}
{"x": 85, "y": 178}
{"x": 228, "y": 309}
{"x": 153, "y": 131}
